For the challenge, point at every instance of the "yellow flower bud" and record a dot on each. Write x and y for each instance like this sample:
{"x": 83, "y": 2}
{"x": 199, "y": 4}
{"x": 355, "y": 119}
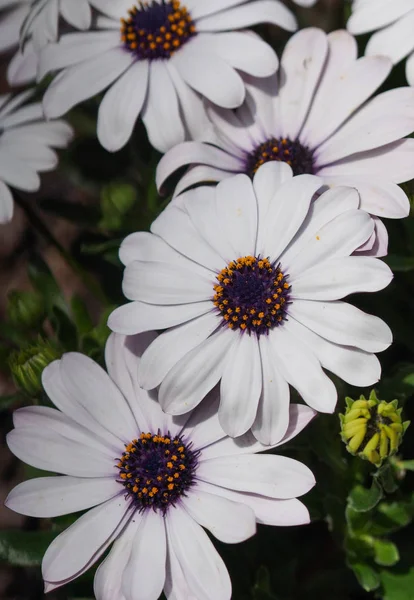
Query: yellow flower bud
{"x": 372, "y": 429}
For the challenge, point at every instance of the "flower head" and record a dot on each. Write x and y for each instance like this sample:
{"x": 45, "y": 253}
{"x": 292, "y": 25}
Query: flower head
{"x": 246, "y": 277}
{"x": 159, "y": 59}
{"x": 372, "y": 429}
{"x": 316, "y": 116}
{"x": 151, "y": 482}
{"x": 395, "y": 22}
{"x": 26, "y": 147}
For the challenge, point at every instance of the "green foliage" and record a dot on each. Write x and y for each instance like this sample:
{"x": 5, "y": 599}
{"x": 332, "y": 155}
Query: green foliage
{"x": 24, "y": 548}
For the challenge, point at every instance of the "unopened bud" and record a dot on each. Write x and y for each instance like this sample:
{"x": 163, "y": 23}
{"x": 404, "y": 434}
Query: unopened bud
{"x": 28, "y": 363}
{"x": 372, "y": 429}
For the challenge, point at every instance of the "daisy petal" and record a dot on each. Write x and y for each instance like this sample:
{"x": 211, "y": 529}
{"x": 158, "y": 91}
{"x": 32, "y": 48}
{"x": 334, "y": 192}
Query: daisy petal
{"x": 272, "y": 417}
{"x": 171, "y": 346}
{"x": 144, "y": 574}
{"x": 274, "y": 476}
{"x": 49, "y": 497}
{"x": 343, "y": 324}
{"x": 195, "y": 374}
{"x": 230, "y": 522}
{"x": 6, "y": 204}
{"x": 354, "y": 366}
{"x": 200, "y": 562}
{"x": 241, "y": 385}
{"x": 137, "y": 317}
{"x": 79, "y": 545}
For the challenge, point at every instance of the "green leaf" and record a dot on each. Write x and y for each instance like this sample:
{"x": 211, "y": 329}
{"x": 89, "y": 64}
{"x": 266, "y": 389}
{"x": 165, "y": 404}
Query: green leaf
{"x": 400, "y": 263}
{"x": 397, "y": 586}
{"x": 44, "y": 282}
{"x": 362, "y": 499}
{"x": 74, "y": 212}
{"x": 407, "y": 465}
{"x": 24, "y": 548}
{"x": 64, "y": 329}
{"x": 367, "y": 577}
{"x": 117, "y": 199}
{"x": 10, "y": 400}
{"x": 262, "y": 587}
{"x": 385, "y": 553}
{"x": 81, "y": 315}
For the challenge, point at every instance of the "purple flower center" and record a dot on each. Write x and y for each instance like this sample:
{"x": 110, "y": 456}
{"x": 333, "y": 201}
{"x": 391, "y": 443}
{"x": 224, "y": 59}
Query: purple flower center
{"x": 157, "y": 469}
{"x": 252, "y": 295}
{"x": 299, "y": 157}
{"x": 156, "y": 29}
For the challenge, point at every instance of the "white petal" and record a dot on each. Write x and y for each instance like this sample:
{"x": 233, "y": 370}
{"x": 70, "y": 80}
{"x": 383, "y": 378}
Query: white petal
{"x": 343, "y": 324}
{"x": 6, "y": 204}
{"x": 209, "y": 75}
{"x": 230, "y": 522}
{"x": 241, "y": 386}
{"x": 176, "y": 586}
{"x": 79, "y": 545}
{"x": 201, "y": 9}
{"x": 203, "y": 427}
{"x": 160, "y": 113}
{"x": 144, "y": 574}
{"x": 268, "y": 178}
{"x": 23, "y": 66}
{"x": 354, "y": 366}
{"x": 409, "y": 69}
{"x": 171, "y": 346}
{"x": 336, "y": 278}
{"x": 109, "y": 575}
{"x": 136, "y": 317}
{"x": 200, "y": 174}
{"x": 200, "y": 562}
{"x": 366, "y": 19}
{"x": 299, "y": 417}
{"x": 83, "y": 81}
{"x": 346, "y": 83}
{"x": 394, "y": 41}
{"x": 95, "y": 391}
{"x": 48, "y": 497}
{"x": 247, "y": 15}
{"x": 301, "y": 65}
{"x": 176, "y": 228}
{"x": 193, "y": 152}
{"x": 301, "y": 368}
{"x": 395, "y": 158}
{"x": 286, "y": 213}
{"x": 243, "y": 51}
{"x": 79, "y": 15}
{"x": 338, "y": 238}
{"x": 165, "y": 283}
{"x": 236, "y": 207}
{"x": 121, "y": 106}
{"x": 272, "y": 419}
{"x": 270, "y": 511}
{"x": 274, "y": 476}
{"x": 330, "y": 204}
{"x": 195, "y": 374}
{"x": 369, "y": 129}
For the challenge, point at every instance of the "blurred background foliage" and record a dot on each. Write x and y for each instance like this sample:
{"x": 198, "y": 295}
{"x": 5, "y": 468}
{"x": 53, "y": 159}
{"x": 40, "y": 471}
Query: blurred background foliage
{"x": 61, "y": 276}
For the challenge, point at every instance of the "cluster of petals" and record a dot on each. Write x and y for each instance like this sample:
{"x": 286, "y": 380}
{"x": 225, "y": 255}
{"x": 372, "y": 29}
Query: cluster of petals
{"x": 170, "y": 277}
{"x": 32, "y": 24}
{"x": 318, "y": 105}
{"x": 27, "y": 145}
{"x": 167, "y": 92}
{"x": 96, "y": 417}
{"x": 395, "y": 24}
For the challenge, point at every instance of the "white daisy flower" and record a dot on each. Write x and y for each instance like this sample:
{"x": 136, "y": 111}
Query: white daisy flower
{"x": 158, "y": 59}
{"x": 316, "y": 116}
{"x": 171, "y": 478}
{"x": 246, "y": 278}
{"x": 26, "y": 147}
{"x": 395, "y": 22}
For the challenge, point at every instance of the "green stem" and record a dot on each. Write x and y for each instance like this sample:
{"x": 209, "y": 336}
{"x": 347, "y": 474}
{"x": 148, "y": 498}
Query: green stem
{"x": 90, "y": 282}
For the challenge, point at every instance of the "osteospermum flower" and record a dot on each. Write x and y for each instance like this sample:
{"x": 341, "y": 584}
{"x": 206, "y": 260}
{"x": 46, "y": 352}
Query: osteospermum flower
{"x": 158, "y": 59}
{"x": 35, "y": 23}
{"x": 171, "y": 478}
{"x": 395, "y": 22}
{"x": 26, "y": 147}
{"x": 312, "y": 116}
{"x": 246, "y": 278}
